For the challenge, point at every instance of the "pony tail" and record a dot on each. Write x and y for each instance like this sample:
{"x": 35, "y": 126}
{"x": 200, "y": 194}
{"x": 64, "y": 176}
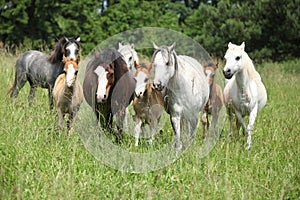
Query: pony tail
{"x": 9, "y": 91}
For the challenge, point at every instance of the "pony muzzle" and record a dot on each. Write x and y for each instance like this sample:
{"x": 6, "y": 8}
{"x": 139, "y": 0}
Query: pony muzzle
{"x": 70, "y": 83}
{"x": 158, "y": 86}
{"x": 227, "y": 74}
{"x": 101, "y": 98}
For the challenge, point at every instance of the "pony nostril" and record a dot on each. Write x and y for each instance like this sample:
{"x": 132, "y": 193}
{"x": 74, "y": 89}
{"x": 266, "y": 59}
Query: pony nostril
{"x": 104, "y": 96}
{"x": 157, "y": 85}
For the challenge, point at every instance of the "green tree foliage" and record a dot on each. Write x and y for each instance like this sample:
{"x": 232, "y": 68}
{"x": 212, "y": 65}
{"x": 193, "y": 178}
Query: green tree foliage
{"x": 269, "y": 28}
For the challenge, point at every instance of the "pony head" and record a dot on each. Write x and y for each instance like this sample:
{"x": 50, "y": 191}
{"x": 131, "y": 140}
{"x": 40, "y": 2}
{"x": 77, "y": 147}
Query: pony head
{"x": 71, "y": 48}
{"x": 130, "y": 55}
{"x": 106, "y": 79}
{"x": 209, "y": 71}
{"x": 71, "y": 70}
{"x": 163, "y": 61}
{"x": 142, "y": 78}
{"x": 234, "y": 59}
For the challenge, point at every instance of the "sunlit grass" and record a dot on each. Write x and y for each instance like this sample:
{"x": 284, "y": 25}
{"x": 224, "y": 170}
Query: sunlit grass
{"x": 39, "y": 162}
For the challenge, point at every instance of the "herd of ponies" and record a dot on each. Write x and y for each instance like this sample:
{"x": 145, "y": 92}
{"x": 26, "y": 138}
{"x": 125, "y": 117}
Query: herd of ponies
{"x": 114, "y": 78}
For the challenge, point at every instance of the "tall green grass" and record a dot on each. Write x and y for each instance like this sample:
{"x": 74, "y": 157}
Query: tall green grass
{"x": 37, "y": 161}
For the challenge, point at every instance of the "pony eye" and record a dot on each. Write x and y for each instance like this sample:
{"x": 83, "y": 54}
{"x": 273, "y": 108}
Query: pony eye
{"x": 237, "y": 58}
{"x": 76, "y": 72}
{"x": 146, "y": 79}
{"x": 130, "y": 58}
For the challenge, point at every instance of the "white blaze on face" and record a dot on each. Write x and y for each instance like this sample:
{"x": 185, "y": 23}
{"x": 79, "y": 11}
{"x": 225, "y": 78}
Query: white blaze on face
{"x": 102, "y": 82}
{"x": 72, "y": 49}
{"x": 140, "y": 83}
{"x": 70, "y": 75}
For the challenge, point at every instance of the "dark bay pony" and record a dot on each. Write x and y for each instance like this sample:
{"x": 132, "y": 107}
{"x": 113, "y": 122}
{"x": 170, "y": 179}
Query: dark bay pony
{"x": 41, "y": 70}
{"x": 108, "y": 88}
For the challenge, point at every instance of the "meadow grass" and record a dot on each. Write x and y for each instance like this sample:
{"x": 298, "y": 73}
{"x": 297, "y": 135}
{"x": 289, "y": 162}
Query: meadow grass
{"x": 37, "y": 161}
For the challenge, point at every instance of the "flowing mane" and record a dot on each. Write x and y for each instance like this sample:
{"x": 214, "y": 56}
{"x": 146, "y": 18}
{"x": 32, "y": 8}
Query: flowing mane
{"x": 58, "y": 51}
{"x": 109, "y": 56}
{"x": 249, "y": 66}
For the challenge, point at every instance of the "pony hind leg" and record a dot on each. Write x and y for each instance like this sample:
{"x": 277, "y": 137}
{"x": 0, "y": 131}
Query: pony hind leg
{"x": 19, "y": 83}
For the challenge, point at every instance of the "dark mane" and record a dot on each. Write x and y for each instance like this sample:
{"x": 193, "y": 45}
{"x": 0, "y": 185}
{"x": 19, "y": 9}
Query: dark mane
{"x": 58, "y": 51}
{"x": 109, "y": 56}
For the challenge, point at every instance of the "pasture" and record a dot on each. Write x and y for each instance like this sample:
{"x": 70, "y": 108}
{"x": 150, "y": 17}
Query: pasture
{"x": 38, "y": 162}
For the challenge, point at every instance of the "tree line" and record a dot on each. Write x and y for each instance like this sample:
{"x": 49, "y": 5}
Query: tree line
{"x": 270, "y": 28}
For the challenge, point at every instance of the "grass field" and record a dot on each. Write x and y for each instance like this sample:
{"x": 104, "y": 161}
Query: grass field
{"x": 36, "y": 162}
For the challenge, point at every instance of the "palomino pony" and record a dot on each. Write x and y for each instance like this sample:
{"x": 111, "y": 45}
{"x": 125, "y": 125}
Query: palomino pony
{"x": 41, "y": 70}
{"x": 216, "y": 99}
{"x": 186, "y": 88}
{"x": 244, "y": 92}
{"x": 148, "y": 103}
{"x": 108, "y": 88}
{"x": 67, "y": 93}
{"x": 130, "y": 56}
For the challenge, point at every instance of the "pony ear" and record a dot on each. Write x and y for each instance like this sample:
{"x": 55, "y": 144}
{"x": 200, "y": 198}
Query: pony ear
{"x": 111, "y": 67}
{"x": 172, "y": 47}
{"x": 230, "y": 45}
{"x": 77, "y": 39}
{"x": 243, "y": 46}
{"x": 150, "y": 66}
{"x": 132, "y": 46}
{"x": 120, "y": 45}
{"x": 155, "y": 46}
{"x": 65, "y": 59}
{"x": 67, "y": 39}
{"x": 96, "y": 54}
{"x": 135, "y": 65}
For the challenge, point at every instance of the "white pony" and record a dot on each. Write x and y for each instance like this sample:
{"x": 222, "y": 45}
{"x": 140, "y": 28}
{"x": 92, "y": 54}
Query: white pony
{"x": 244, "y": 92}
{"x": 130, "y": 56}
{"x": 132, "y": 60}
{"x": 187, "y": 89}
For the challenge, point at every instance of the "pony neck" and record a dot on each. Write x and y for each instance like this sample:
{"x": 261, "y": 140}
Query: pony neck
{"x": 243, "y": 76}
{"x": 212, "y": 89}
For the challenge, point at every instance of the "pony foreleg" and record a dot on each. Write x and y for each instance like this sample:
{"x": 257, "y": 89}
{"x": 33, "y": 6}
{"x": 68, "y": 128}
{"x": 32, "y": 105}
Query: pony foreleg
{"x": 204, "y": 122}
{"x": 250, "y": 127}
{"x": 120, "y": 118}
{"x": 60, "y": 118}
{"x": 137, "y": 130}
{"x": 50, "y": 96}
{"x": 176, "y": 127}
{"x": 241, "y": 121}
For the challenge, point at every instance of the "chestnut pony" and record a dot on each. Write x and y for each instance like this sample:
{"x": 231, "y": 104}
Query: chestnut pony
{"x": 67, "y": 93}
